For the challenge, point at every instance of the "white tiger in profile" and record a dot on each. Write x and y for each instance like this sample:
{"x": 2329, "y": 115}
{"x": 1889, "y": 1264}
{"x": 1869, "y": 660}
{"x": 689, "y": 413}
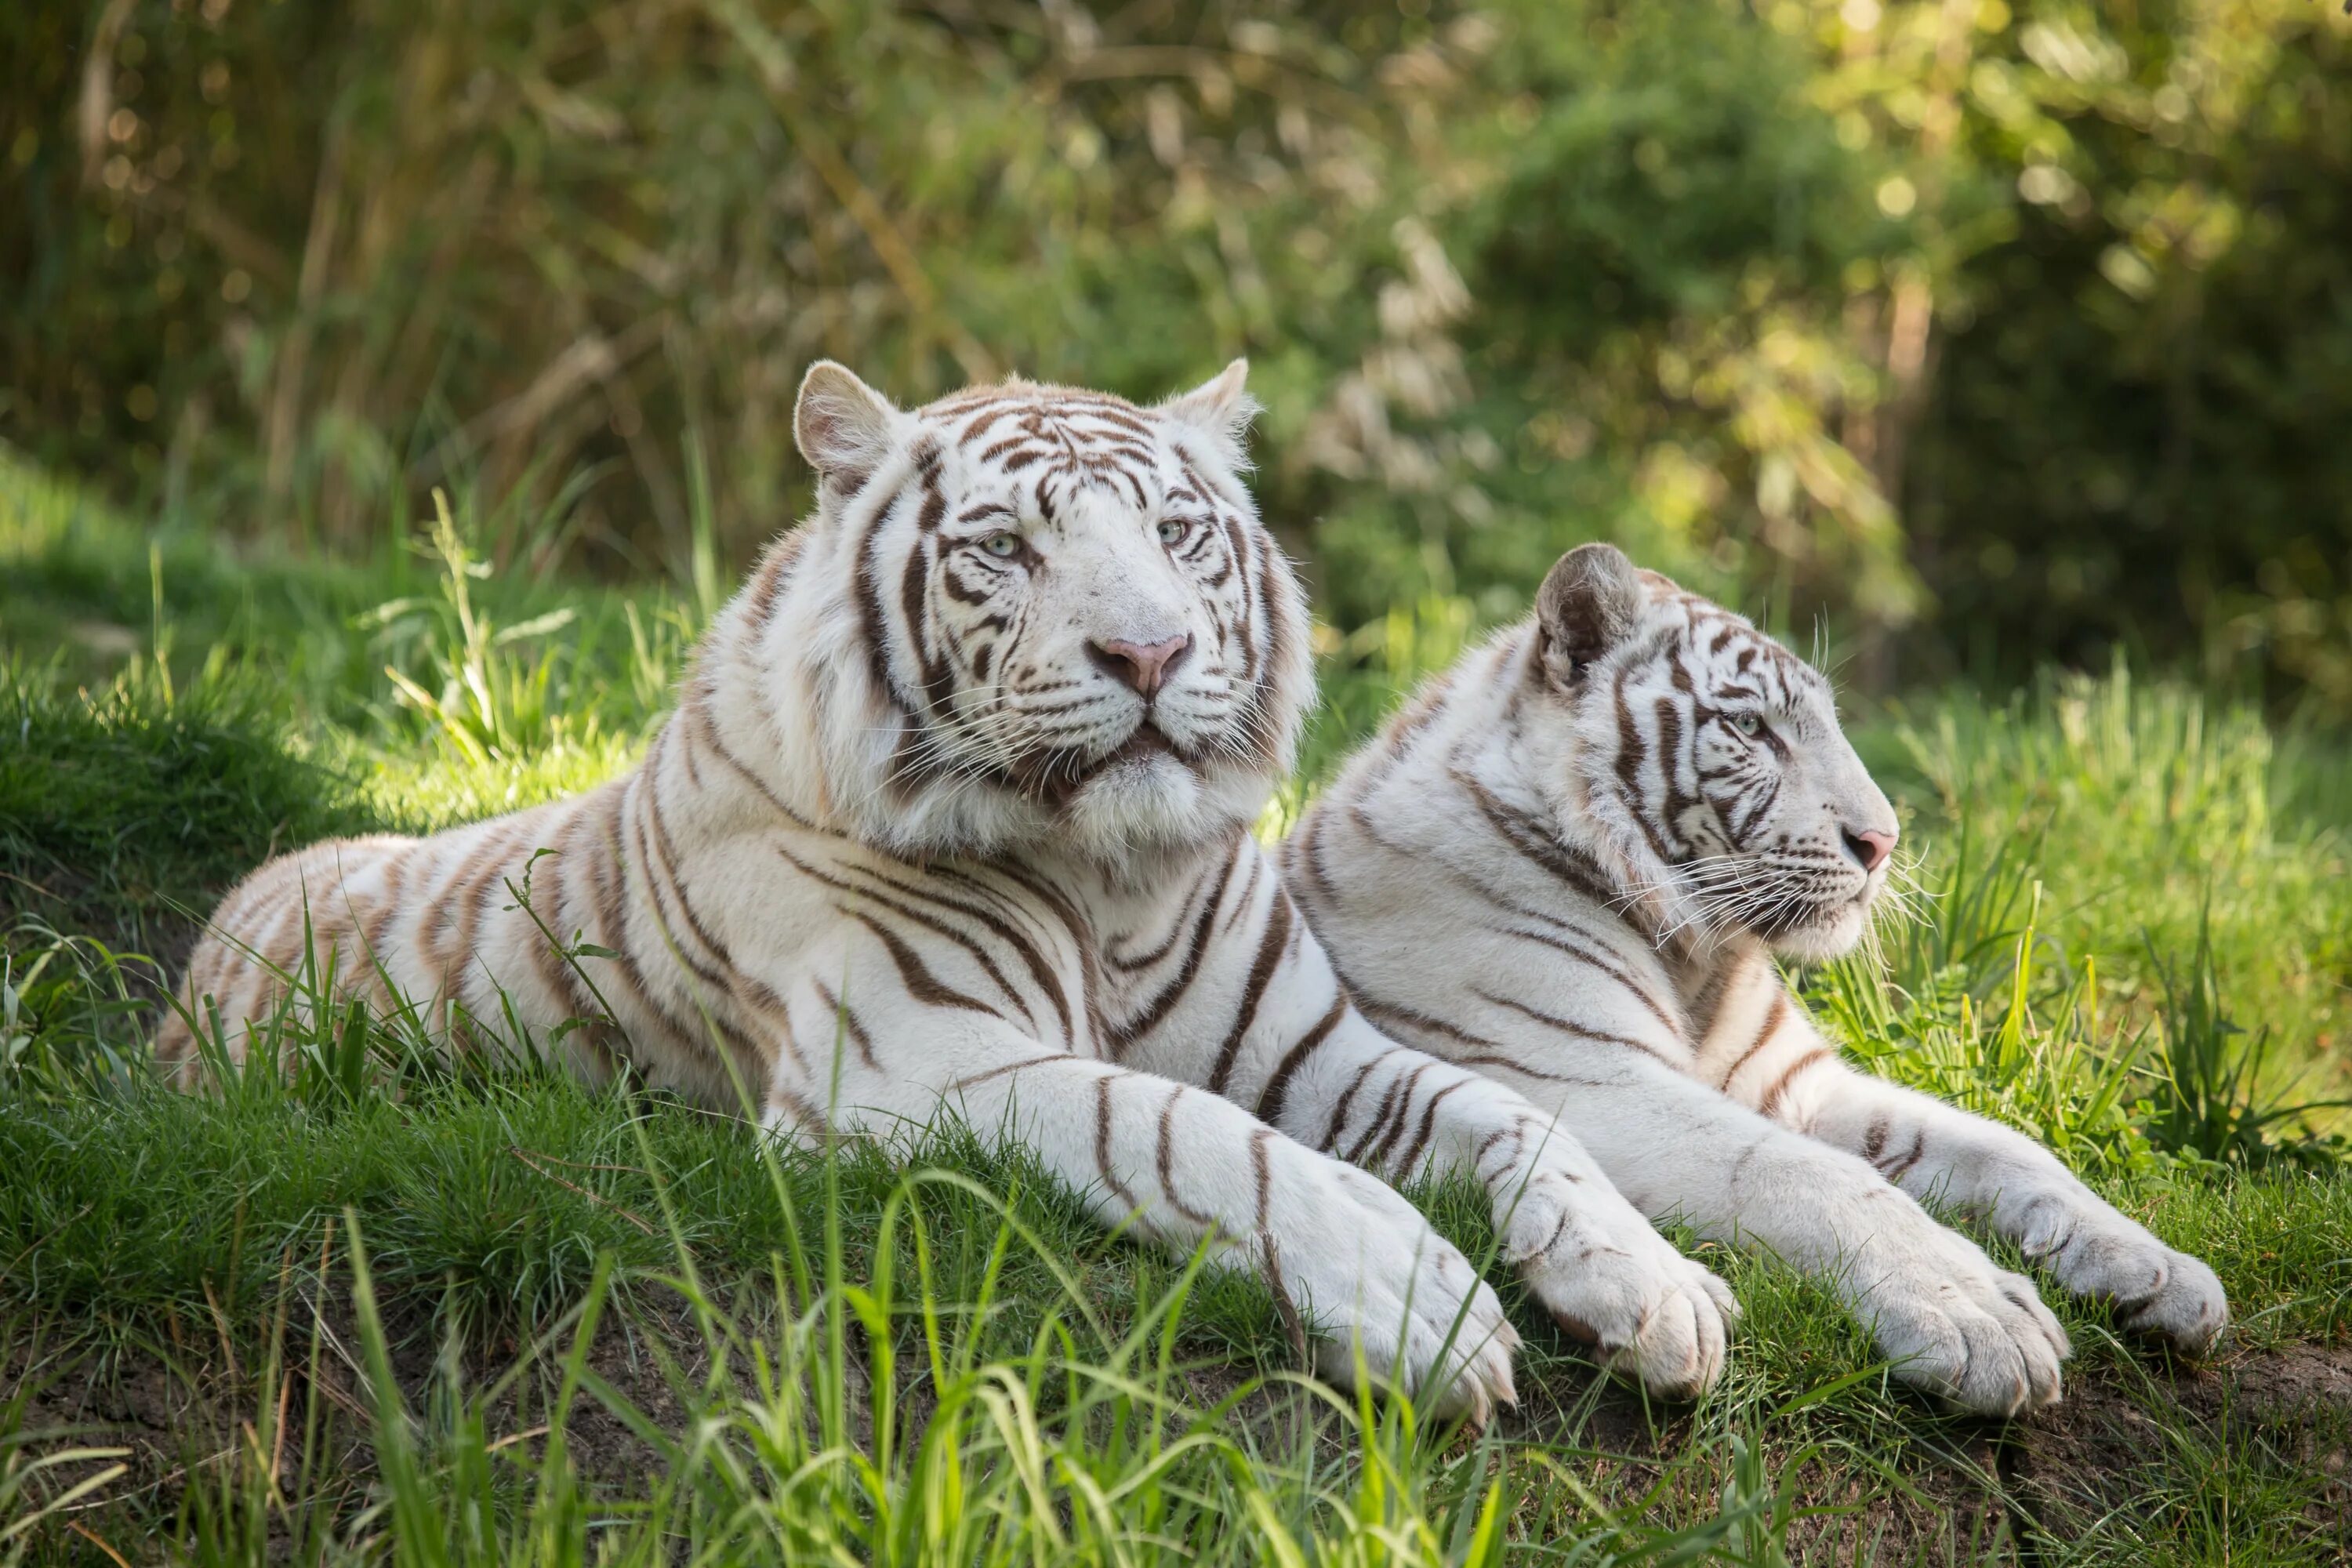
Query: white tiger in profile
{"x": 1569, "y": 861}
{"x": 955, "y": 809}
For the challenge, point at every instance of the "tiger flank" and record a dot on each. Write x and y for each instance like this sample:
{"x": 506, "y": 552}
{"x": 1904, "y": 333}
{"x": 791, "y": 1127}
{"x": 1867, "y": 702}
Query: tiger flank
{"x": 954, "y": 812}
{"x": 1570, "y": 863}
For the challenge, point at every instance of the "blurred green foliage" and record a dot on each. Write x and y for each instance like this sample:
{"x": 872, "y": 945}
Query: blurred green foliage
{"x": 2033, "y": 320}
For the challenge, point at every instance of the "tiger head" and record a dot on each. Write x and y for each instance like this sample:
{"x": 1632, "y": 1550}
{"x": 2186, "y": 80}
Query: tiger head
{"x": 1710, "y": 759}
{"x": 1045, "y": 616}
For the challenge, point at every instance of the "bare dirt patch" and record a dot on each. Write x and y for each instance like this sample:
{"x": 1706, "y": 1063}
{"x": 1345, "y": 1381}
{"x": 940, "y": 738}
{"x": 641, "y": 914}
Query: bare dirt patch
{"x": 2153, "y": 1445}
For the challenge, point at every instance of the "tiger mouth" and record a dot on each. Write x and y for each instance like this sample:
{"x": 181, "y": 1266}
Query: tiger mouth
{"x": 1058, "y": 776}
{"x": 1797, "y": 914}
{"x": 1147, "y": 741}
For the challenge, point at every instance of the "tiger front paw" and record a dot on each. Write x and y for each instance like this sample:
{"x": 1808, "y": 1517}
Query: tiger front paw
{"x": 2155, "y": 1291}
{"x": 1612, "y": 1282}
{"x": 1378, "y": 1281}
{"x": 1952, "y": 1324}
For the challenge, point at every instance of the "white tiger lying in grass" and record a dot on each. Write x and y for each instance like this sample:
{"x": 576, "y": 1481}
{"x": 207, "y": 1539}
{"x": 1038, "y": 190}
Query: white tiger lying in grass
{"x": 1569, "y": 862}
{"x": 958, "y": 793}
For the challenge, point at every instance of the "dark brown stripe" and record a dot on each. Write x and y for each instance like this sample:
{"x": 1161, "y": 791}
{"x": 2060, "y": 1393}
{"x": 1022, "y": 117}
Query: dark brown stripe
{"x": 845, "y": 1021}
{"x": 1249, "y": 889}
{"x": 663, "y": 884}
{"x": 1478, "y": 1159}
{"x": 1630, "y": 752}
{"x": 395, "y": 878}
{"x": 1080, "y": 932}
{"x": 872, "y": 629}
{"x": 1566, "y": 1026}
{"x": 1772, "y": 1018}
{"x": 1603, "y": 962}
{"x": 1168, "y": 1160}
{"x": 1391, "y": 1126}
{"x": 1772, "y": 1101}
{"x": 708, "y": 731}
{"x": 1259, "y": 1138}
{"x": 904, "y": 912}
{"x": 979, "y": 954}
{"x": 1428, "y": 1125}
{"x": 774, "y": 572}
{"x": 1902, "y": 1167}
{"x": 777, "y": 1019}
{"x": 1534, "y": 842}
{"x": 690, "y": 1035}
{"x": 1102, "y": 1141}
{"x": 495, "y": 849}
{"x": 1143, "y": 961}
{"x": 970, "y": 1080}
{"x": 1347, "y": 1097}
{"x": 920, "y": 982}
{"x": 1186, "y": 972}
{"x": 555, "y": 975}
{"x": 1273, "y": 943}
{"x": 1273, "y": 1099}
{"x": 1513, "y": 1064}
{"x": 1387, "y": 1013}
{"x": 1031, "y": 959}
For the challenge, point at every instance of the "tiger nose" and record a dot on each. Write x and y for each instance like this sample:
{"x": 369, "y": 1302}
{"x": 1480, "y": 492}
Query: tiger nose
{"x": 1143, "y": 666}
{"x": 1869, "y": 847}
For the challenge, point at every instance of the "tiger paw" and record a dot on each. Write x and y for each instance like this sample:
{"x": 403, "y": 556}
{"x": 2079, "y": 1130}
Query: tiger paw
{"x": 1612, "y": 1282}
{"x": 1378, "y": 1281}
{"x": 2155, "y": 1291}
{"x": 1955, "y": 1325}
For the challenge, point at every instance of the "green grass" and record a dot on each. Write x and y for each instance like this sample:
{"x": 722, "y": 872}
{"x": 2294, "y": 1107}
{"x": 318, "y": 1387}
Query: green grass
{"x": 424, "y": 1315}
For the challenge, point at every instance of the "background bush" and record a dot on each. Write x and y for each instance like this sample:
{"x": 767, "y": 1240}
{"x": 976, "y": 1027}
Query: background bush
{"x": 2032, "y": 323}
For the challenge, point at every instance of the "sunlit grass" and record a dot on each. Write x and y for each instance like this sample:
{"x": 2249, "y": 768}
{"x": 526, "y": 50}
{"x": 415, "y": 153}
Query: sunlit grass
{"x": 2155, "y": 821}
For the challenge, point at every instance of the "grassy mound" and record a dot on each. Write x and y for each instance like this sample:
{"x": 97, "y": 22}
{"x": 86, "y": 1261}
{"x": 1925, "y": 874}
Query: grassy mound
{"x": 376, "y": 1307}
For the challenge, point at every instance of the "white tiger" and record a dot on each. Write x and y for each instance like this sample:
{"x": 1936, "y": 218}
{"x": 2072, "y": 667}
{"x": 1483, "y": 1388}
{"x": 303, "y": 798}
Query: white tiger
{"x": 955, "y": 807}
{"x": 1569, "y": 862}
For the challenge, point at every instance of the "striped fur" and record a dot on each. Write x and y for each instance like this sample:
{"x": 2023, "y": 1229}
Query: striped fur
{"x": 920, "y": 833}
{"x": 1570, "y": 863}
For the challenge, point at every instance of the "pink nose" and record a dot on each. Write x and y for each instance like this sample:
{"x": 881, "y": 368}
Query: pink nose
{"x": 1871, "y": 848}
{"x": 1143, "y": 666}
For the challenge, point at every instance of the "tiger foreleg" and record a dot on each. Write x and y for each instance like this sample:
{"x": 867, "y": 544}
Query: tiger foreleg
{"x": 1593, "y": 1260}
{"x": 1187, "y": 1169}
{"x": 1948, "y": 1318}
{"x": 1941, "y": 1153}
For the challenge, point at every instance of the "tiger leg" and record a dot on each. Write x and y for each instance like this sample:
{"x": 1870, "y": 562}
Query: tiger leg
{"x": 1947, "y": 1318}
{"x": 1938, "y": 1152}
{"x": 1184, "y": 1166}
{"x": 1593, "y": 1260}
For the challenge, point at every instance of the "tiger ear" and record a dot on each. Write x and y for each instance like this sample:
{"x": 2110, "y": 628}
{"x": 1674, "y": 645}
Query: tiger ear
{"x": 844, "y": 428}
{"x": 1590, "y": 600}
{"x": 1219, "y": 410}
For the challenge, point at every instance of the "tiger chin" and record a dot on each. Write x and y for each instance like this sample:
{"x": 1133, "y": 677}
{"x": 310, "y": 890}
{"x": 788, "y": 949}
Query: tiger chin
{"x": 953, "y": 816}
{"x": 1571, "y": 862}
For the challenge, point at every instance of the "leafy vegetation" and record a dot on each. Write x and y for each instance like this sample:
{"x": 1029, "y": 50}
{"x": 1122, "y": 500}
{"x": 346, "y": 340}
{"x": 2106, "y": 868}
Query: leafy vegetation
{"x": 379, "y": 1308}
{"x": 2021, "y": 323}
